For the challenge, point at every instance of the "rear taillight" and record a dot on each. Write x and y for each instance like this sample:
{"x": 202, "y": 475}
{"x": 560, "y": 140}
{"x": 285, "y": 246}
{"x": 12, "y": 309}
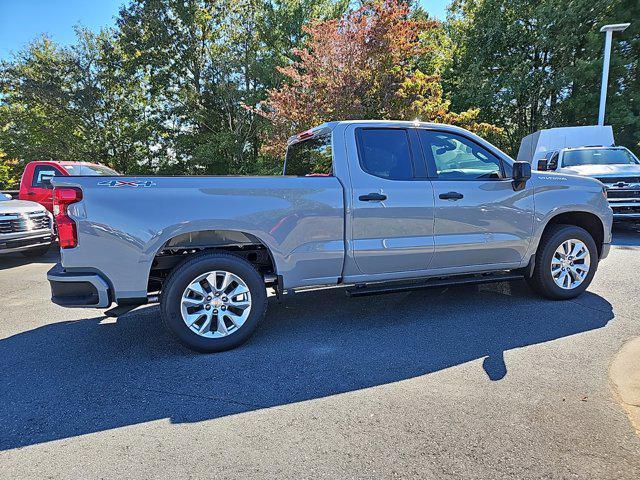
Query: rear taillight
{"x": 67, "y": 231}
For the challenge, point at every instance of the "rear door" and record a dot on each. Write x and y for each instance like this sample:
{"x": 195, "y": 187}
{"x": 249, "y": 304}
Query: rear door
{"x": 392, "y": 199}
{"x": 479, "y": 218}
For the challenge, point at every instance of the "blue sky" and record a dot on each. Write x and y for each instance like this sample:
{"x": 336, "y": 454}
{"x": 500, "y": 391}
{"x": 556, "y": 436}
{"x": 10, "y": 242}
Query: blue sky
{"x": 23, "y": 20}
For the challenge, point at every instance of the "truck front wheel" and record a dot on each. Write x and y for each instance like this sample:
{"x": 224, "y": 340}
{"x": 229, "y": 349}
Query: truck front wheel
{"x": 213, "y": 301}
{"x": 566, "y": 260}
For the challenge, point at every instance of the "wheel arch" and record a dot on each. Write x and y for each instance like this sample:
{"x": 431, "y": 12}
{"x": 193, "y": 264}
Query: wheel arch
{"x": 586, "y": 220}
{"x": 184, "y": 244}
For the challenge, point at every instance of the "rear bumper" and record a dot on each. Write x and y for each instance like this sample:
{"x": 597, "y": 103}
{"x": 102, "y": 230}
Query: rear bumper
{"x": 73, "y": 289}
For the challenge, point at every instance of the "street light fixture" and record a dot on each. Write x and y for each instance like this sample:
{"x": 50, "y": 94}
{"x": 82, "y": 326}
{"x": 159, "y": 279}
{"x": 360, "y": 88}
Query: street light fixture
{"x": 608, "y": 31}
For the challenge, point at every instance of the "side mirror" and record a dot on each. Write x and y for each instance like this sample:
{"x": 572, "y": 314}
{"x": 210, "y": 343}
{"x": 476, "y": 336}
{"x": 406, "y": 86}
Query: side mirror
{"x": 46, "y": 183}
{"x": 521, "y": 173}
{"x": 553, "y": 163}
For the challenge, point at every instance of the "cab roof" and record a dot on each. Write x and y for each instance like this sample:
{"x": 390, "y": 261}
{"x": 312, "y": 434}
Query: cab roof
{"x": 328, "y": 126}
{"x": 66, "y": 162}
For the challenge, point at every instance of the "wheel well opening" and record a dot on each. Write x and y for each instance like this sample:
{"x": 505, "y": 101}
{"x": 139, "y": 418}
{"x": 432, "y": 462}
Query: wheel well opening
{"x": 590, "y": 222}
{"x": 183, "y": 246}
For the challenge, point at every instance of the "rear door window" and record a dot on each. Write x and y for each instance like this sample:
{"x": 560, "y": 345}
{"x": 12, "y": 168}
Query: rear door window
{"x": 385, "y": 153}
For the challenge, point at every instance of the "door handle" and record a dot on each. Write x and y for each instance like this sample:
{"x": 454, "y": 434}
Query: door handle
{"x": 372, "y": 197}
{"x": 451, "y": 196}
{"x": 30, "y": 194}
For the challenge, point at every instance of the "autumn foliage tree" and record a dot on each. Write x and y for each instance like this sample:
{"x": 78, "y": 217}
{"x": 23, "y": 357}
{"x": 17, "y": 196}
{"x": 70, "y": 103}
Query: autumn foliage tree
{"x": 361, "y": 66}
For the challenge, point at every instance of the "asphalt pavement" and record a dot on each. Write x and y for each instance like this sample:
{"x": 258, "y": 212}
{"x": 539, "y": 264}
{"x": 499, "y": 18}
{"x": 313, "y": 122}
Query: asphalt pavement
{"x": 467, "y": 382}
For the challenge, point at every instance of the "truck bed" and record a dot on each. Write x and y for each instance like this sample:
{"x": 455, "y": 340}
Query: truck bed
{"x": 299, "y": 219}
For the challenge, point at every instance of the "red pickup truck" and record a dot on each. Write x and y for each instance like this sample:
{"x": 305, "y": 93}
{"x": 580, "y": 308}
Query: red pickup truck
{"x": 36, "y": 186}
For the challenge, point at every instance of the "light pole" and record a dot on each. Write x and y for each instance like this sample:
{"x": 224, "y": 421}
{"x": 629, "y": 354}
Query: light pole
{"x": 608, "y": 31}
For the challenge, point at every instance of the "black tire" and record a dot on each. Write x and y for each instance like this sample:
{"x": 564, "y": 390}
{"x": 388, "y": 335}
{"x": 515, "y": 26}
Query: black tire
{"x": 36, "y": 252}
{"x": 542, "y": 281}
{"x": 184, "y": 273}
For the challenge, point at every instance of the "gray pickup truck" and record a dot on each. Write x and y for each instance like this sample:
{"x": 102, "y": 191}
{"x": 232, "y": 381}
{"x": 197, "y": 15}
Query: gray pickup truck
{"x": 375, "y": 206}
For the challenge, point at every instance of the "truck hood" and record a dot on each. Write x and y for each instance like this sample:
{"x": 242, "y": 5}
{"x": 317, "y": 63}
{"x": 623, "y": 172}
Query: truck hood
{"x": 20, "y": 206}
{"x": 603, "y": 170}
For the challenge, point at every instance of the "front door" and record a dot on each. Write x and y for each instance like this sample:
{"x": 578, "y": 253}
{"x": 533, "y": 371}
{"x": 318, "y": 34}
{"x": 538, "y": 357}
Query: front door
{"x": 392, "y": 201}
{"x": 479, "y": 218}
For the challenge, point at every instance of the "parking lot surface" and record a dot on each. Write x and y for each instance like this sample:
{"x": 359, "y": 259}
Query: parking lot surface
{"x": 474, "y": 382}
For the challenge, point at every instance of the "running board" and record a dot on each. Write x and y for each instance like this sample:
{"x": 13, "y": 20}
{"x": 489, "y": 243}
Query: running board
{"x": 382, "y": 288}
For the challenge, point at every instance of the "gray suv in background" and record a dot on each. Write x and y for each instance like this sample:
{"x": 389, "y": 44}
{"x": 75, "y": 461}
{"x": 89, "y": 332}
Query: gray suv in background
{"x": 375, "y": 206}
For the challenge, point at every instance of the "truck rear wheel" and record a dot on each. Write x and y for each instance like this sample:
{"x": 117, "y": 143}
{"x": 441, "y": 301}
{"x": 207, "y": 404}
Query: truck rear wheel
{"x": 213, "y": 301}
{"x": 566, "y": 261}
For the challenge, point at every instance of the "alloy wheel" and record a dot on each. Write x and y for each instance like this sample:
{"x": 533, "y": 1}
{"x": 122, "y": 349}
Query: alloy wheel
{"x": 216, "y": 304}
{"x": 570, "y": 264}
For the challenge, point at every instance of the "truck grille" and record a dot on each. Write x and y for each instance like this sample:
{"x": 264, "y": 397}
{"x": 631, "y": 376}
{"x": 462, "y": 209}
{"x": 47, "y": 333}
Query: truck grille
{"x": 612, "y": 193}
{"x": 626, "y": 209}
{"x": 623, "y": 194}
{"x": 610, "y": 180}
{"x": 16, "y": 223}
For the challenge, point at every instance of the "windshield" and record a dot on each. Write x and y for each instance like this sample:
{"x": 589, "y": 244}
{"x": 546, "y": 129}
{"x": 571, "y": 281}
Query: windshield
{"x": 598, "y": 156}
{"x": 89, "y": 170}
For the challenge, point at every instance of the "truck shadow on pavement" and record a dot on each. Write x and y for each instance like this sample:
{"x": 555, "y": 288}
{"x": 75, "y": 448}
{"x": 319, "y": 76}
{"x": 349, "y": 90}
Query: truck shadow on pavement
{"x": 12, "y": 260}
{"x": 626, "y": 235}
{"x": 78, "y": 377}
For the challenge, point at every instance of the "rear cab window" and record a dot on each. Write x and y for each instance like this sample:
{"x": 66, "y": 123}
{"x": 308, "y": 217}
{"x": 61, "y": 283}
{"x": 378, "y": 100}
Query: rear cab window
{"x": 312, "y": 157}
{"x": 43, "y": 172}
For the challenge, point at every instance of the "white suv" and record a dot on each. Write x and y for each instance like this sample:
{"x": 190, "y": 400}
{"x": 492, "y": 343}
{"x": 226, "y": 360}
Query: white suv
{"x": 25, "y": 227}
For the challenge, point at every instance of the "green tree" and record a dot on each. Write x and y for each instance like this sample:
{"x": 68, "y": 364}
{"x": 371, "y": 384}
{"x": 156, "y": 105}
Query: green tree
{"x": 9, "y": 173}
{"x": 536, "y": 64}
{"x": 72, "y": 104}
{"x": 38, "y": 90}
{"x": 363, "y": 65}
{"x": 623, "y": 99}
{"x": 201, "y": 61}
{"x": 162, "y": 92}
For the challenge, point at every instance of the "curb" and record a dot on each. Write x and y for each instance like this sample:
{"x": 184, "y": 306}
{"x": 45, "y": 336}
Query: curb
{"x": 624, "y": 375}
